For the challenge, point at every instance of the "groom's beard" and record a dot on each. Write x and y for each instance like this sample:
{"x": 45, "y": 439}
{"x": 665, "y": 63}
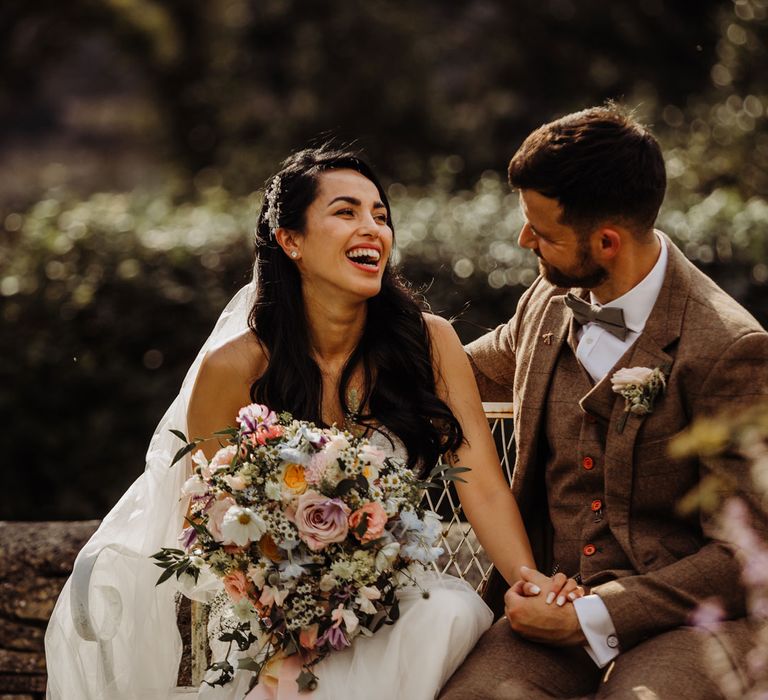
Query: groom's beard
{"x": 588, "y": 275}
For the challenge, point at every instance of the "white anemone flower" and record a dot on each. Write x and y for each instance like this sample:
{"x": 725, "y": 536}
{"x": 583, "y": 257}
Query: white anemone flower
{"x": 241, "y": 526}
{"x": 386, "y": 556}
{"x": 194, "y": 486}
{"x": 367, "y": 595}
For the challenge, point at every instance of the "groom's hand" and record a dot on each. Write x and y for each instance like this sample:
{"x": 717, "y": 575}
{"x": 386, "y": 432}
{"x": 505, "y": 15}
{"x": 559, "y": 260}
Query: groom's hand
{"x": 535, "y": 619}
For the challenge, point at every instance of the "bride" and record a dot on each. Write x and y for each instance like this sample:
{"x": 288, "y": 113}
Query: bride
{"x": 329, "y": 333}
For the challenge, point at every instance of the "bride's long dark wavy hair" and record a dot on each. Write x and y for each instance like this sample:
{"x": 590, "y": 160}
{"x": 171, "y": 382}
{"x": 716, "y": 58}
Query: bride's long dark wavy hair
{"x": 394, "y": 350}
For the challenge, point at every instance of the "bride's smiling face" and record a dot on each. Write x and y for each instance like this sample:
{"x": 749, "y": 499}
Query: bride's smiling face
{"x": 347, "y": 238}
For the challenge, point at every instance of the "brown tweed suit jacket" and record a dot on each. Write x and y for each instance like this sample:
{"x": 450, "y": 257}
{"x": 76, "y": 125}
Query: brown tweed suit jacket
{"x": 717, "y": 356}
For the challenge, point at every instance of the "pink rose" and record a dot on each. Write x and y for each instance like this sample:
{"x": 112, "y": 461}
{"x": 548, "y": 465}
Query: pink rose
{"x": 216, "y": 513}
{"x": 321, "y": 520}
{"x": 223, "y": 458}
{"x": 236, "y": 585}
{"x": 377, "y": 519}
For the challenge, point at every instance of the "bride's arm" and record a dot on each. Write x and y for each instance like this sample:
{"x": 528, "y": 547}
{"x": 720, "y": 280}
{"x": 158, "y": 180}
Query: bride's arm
{"x": 222, "y": 388}
{"x": 486, "y": 497}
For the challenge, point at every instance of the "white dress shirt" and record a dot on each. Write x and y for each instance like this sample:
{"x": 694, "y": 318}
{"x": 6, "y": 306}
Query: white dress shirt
{"x": 598, "y": 351}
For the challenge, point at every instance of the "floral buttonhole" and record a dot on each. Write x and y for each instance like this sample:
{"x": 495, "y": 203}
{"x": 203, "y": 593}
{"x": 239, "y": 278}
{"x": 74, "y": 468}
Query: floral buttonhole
{"x": 639, "y": 386}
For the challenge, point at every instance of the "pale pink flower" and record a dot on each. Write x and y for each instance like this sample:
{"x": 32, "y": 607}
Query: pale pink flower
{"x": 251, "y": 417}
{"x": 348, "y": 617}
{"x": 271, "y": 595}
{"x": 321, "y": 520}
{"x": 235, "y": 482}
{"x": 324, "y": 464}
{"x": 222, "y": 458}
{"x": 236, "y": 585}
{"x": 628, "y": 376}
{"x": 256, "y": 574}
{"x": 368, "y": 594}
{"x": 215, "y": 513}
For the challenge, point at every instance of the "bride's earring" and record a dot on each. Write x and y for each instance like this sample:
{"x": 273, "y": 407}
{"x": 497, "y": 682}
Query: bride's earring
{"x": 294, "y": 254}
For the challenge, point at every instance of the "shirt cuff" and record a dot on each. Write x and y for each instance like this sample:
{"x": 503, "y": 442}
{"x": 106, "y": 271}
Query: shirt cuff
{"x": 597, "y": 626}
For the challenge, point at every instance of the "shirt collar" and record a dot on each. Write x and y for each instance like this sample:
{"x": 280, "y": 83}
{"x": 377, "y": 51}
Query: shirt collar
{"x": 638, "y": 302}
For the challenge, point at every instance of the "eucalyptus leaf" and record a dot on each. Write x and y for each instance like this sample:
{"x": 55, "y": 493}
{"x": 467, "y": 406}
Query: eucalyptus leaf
{"x": 165, "y": 576}
{"x": 180, "y": 435}
{"x": 183, "y": 451}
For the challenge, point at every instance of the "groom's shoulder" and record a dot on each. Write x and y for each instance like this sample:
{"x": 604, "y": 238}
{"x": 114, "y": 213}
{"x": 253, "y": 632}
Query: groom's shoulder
{"x": 711, "y": 307}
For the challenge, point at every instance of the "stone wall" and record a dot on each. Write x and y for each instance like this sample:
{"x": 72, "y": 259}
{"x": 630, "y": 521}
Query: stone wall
{"x": 35, "y": 561}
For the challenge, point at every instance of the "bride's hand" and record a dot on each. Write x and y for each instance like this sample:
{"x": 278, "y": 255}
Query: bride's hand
{"x": 558, "y": 588}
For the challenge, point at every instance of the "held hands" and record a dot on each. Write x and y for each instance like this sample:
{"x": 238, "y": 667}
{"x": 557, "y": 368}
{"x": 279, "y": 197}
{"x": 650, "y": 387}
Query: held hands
{"x": 556, "y": 589}
{"x": 536, "y": 608}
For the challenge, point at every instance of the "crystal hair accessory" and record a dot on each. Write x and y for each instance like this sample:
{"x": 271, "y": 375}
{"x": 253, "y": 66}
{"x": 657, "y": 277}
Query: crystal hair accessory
{"x": 272, "y": 213}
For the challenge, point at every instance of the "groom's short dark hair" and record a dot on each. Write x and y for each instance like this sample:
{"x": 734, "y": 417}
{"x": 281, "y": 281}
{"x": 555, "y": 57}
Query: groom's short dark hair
{"x": 600, "y": 164}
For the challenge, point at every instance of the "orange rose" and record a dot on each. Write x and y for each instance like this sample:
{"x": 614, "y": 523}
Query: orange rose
{"x": 308, "y": 636}
{"x": 269, "y": 549}
{"x": 293, "y": 478}
{"x": 377, "y": 519}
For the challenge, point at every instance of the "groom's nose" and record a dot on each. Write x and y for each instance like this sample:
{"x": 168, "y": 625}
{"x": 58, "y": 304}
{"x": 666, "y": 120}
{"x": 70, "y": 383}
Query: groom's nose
{"x": 526, "y": 239}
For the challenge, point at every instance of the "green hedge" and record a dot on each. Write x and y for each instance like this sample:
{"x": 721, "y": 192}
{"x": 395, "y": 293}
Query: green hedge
{"x": 104, "y": 302}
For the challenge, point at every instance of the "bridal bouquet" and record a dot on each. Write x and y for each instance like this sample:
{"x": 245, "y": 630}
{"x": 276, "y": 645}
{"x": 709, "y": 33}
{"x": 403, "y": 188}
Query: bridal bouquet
{"x": 312, "y": 531}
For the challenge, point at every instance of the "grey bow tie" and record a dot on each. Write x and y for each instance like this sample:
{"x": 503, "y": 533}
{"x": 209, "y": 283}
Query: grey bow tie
{"x": 610, "y": 318}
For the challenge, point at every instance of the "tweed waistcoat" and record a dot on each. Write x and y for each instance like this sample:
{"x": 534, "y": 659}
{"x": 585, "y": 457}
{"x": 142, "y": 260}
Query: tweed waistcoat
{"x": 583, "y": 542}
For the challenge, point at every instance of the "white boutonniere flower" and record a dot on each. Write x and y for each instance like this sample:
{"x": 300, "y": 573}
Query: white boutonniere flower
{"x": 639, "y": 386}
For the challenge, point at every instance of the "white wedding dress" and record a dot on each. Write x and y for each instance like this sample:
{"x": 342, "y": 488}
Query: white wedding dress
{"x": 113, "y": 633}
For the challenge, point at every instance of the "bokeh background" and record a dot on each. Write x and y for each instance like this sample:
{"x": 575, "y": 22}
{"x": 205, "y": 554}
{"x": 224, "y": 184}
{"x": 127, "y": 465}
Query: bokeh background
{"x": 135, "y": 136}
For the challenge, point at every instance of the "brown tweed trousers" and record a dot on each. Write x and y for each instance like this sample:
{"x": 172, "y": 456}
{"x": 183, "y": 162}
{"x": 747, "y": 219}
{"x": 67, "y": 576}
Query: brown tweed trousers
{"x": 716, "y": 357}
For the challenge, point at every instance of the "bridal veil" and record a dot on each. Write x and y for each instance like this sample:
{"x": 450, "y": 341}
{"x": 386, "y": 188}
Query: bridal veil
{"x": 113, "y": 633}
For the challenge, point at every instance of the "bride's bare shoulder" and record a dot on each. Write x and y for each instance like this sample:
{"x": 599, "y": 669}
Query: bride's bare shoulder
{"x": 228, "y": 370}
{"x": 241, "y": 356}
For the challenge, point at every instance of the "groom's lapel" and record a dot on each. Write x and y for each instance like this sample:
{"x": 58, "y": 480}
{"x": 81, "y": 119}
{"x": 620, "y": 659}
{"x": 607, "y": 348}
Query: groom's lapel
{"x": 551, "y": 333}
{"x": 652, "y": 349}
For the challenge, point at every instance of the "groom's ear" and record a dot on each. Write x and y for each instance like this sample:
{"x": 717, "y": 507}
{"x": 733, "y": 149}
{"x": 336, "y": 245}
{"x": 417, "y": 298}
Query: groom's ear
{"x": 607, "y": 243}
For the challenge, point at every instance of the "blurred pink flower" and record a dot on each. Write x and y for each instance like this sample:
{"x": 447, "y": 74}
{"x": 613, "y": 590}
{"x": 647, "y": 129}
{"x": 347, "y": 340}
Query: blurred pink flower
{"x": 708, "y": 615}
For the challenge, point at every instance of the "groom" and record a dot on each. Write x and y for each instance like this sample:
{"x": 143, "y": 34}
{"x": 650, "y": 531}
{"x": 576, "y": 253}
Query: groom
{"x": 596, "y": 487}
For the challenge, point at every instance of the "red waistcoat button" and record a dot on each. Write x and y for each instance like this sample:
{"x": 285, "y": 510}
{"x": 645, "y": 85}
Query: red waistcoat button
{"x": 597, "y": 505}
{"x": 587, "y": 463}
{"x": 589, "y": 550}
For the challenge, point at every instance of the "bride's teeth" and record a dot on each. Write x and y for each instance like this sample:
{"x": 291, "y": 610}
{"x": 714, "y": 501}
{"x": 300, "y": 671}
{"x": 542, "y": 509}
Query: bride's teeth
{"x": 369, "y": 253}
